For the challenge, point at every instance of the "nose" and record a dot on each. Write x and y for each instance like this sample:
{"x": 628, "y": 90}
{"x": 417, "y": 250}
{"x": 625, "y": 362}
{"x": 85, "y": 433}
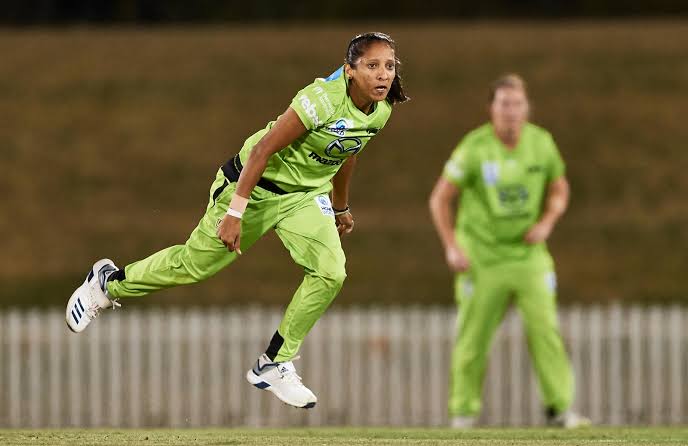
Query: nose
{"x": 382, "y": 74}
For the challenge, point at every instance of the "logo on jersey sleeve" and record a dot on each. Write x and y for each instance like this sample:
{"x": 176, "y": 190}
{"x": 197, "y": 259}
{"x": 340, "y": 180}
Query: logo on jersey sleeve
{"x": 453, "y": 170}
{"x": 324, "y": 100}
{"x": 310, "y": 109}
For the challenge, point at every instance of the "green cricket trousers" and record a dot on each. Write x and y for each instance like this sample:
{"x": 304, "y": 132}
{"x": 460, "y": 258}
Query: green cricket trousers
{"x": 483, "y": 295}
{"x": 304, "y": 221}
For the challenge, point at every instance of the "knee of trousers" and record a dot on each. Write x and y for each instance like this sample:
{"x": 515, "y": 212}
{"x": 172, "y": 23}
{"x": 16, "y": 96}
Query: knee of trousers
{"x": 199, "y": 272}
{"x": 331, "y": 280}
{"x": 471, "y": 357}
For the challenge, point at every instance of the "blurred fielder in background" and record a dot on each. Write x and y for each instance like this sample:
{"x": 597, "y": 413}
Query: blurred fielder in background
{"x": 508, "y": 177}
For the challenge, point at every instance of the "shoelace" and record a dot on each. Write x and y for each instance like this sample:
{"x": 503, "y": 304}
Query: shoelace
{"x": 93, "y": 309}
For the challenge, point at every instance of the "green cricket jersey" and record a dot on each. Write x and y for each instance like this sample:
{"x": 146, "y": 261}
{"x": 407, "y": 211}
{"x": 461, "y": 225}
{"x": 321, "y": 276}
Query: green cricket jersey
{"x": 502, "y": 191}
{"x": 336, "y": 130}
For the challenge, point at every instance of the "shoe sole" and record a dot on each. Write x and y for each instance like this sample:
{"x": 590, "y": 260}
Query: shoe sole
{"x": 262, "y": 385}
{"x": 70, "y": 327}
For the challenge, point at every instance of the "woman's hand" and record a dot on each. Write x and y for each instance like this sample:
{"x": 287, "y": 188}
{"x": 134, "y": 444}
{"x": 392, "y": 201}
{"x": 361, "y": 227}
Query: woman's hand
{"x": 539, "y": 232}
{"x": 457, "y": 260}
{"x": 345, "y": 223}
{"x": 229, "y": 232}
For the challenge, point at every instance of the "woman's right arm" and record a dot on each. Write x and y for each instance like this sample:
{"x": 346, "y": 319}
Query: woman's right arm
{"x": 286, "y": 130}
{"x": 441, "y": 199}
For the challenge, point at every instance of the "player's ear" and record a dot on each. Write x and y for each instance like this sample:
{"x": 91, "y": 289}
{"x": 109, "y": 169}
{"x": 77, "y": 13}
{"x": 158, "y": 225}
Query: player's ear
{"x": 348, "y": 71}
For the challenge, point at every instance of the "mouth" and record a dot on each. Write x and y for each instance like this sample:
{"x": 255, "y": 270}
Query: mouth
{"x": 381, "y": 89}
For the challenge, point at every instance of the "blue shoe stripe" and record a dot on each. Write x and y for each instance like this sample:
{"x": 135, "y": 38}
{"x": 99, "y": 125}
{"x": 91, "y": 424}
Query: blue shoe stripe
{"x": 80, "y": 306}
{"x": 76, "y": 319}
{"x": 90, "y": 276}
{"x": 78, "y": 313}
{"x": 262, "y": 385}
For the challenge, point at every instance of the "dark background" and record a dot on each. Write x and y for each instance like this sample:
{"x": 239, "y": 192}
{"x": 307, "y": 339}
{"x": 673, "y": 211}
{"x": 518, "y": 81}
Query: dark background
{"x": 215, "y": 11}
{"x": 110, "y": 137}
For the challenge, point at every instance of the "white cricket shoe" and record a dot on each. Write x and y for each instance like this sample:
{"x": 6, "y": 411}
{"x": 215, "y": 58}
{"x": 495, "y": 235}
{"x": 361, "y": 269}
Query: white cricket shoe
{"x": 459, "y": 422}
{"x": 569, "y": 420}
{"x": 281, "y": 379}
{"x": 87, "y": 300}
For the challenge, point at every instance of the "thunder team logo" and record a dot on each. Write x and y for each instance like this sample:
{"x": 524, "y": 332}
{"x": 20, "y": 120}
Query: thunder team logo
{"x": 340, "y": 126}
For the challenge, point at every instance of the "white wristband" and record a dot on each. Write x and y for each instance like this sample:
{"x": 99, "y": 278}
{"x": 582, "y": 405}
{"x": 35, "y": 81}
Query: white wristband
{"x": 234, "y": 213}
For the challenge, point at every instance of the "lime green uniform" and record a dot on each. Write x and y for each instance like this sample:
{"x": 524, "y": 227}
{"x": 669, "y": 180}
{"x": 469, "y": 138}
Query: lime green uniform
{"x": 502, "y": 196}
{"x": 292, "y": 198}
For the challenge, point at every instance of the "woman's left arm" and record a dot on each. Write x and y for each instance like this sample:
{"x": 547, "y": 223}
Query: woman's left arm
{"x": 340, "y": 196}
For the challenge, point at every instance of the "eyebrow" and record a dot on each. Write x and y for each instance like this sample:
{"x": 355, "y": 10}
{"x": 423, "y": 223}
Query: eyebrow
{"x": 376, "y": 60}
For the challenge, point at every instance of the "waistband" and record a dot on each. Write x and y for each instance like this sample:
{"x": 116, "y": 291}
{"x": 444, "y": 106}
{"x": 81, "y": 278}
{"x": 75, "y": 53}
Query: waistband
{"x": 232, "y": 170}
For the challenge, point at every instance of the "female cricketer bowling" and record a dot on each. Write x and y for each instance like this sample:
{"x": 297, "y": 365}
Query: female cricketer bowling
{"x": 282, "y": 179}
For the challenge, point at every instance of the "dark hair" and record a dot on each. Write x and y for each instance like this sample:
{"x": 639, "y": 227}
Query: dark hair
{"x": 357, "y": 47}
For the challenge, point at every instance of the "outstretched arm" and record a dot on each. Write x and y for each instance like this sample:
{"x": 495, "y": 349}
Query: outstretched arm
{"x": 286, "y": 130}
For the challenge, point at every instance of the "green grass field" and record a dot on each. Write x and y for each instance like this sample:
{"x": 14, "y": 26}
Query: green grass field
{"x": 307, "y": 437}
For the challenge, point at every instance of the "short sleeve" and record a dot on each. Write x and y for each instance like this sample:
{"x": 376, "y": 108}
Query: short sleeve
{"x": 457, "y": 169}
{"x": 556, "y": 166}
{"x": 313, "y": 105}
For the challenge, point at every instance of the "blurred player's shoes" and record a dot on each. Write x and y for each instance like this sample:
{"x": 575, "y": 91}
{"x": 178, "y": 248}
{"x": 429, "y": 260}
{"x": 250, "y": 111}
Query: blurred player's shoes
{"x": 281, "y": 379}
{"x": 462, "y": 422}
{"x": 568, "y": 420}
{"x": 91, "y": 297}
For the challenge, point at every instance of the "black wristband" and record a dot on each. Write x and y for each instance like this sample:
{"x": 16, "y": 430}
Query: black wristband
{"x": 340, "y": 211}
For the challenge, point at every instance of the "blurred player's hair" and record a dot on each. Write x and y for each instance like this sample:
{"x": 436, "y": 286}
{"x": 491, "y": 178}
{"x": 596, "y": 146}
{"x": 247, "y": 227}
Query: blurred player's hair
{"x": 509, "y": 80}
{"x": 357, "y": 47}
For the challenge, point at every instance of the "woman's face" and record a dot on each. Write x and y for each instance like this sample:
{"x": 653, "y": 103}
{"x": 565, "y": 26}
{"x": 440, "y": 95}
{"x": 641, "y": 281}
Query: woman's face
{"x": 509, "y": 109}
{"x": 374, "y": 72}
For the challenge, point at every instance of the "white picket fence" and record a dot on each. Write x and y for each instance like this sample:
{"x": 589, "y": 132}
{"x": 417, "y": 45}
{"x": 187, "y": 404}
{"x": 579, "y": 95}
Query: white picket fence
{"x": 380, "y": 366}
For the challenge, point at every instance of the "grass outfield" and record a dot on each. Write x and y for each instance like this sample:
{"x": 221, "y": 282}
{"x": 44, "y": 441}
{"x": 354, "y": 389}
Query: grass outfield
{"x": 306, "y": 437}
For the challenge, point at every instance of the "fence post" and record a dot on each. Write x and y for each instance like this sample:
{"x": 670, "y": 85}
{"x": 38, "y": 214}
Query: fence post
{"x": 636, "y": 338}
{"x": 676, "y": 362}
{"x": 656, "y": 358}
{"x": 615, "y": 378}
{"x": 594, "y": 329}
{"x": 14, "y": 384}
